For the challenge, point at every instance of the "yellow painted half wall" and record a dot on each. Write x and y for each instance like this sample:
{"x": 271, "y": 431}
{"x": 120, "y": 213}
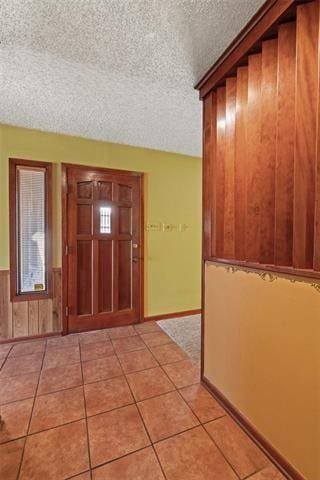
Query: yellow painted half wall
{"x": 261, "y": 350}
{"x": 172, "y": 195}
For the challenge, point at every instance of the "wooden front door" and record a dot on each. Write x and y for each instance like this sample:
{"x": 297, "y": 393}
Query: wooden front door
{"x": 103, "y": 248}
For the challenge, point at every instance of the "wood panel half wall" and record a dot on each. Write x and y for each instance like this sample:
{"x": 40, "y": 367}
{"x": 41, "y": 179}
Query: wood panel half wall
{"x": 261, "y": 150}
{"x": 29, "y": 318}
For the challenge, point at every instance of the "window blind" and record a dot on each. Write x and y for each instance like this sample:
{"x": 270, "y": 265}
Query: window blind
{"x": 31, "y": 226}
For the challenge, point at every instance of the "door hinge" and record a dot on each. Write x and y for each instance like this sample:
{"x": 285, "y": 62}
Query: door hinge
{"x": 67, "y": 250}
{"x": 67, "y": 311}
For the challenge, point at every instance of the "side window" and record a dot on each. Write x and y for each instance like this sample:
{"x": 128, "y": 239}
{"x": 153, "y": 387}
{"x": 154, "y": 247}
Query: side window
{"x": 30, "y": 229}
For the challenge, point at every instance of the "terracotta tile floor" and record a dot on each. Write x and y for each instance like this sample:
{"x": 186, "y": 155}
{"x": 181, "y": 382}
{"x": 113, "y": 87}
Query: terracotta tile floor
{"x": 116, "y": 404}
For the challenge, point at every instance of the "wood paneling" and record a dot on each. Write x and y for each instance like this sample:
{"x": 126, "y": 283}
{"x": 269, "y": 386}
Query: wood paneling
{"x": 259, "y": 25}
{"x": 229, "y": 174}
{"x": 20, "y": 319}
{"x": 268, "y": 149}
{"x": 45, "y": 316}
{"x": 33, "y": 311}
{"x": 253, "y": 177}
{"x": 285, "y": 144}
{"x": 241, "y": 162}
{"x": 305, "y": 130}
{"x": 56, "y": 300}
{"x": 316, "y": 255}
{"x": 209, "y": 133}
{"x": 261, "y": 151}
{"x": 29, "y": 318}
{"x": 5, "y": 306}
{"x": 219, "y": 171}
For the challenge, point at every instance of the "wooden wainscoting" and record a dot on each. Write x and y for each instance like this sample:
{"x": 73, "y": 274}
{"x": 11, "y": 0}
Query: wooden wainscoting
{"x": 29, "y": 318}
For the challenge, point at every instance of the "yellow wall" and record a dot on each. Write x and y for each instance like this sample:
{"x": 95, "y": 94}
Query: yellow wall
{"x": 262, "y": 351}
{"x": 172, "y": 195}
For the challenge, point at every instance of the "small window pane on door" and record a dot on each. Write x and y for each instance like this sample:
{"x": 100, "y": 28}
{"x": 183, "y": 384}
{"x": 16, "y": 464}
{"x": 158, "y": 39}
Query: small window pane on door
{"x": 105, "y": 219}
{"x": 31, "y": 229}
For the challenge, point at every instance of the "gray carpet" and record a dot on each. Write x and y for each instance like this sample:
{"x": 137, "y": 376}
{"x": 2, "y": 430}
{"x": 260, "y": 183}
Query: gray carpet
{"x": 186, "y": 332}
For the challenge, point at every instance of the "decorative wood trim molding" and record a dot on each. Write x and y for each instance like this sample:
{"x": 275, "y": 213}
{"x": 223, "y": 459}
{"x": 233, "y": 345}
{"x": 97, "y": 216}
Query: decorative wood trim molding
{"x": 31, "y": 337}
{"x": 114, "y": 171}
{"x": 143, "y": 245}
{"x": 167, "y": 316}
{"x": 296, "y": 273}
{"x": 269, "y": 15}
{"x": 64, "y": 242}
{"x": 280, "y": 462}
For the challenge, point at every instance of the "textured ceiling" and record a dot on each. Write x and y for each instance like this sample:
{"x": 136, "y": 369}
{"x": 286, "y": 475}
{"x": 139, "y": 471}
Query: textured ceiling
{"x": 115, "y": 70}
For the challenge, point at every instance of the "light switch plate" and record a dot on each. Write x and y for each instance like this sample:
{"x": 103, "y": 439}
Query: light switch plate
{"x": 183, "y": 227}
{"x": 168, "y": 227}
{"x": 153, "y": 226}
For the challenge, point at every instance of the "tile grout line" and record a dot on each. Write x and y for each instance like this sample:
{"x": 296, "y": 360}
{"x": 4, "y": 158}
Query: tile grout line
{"x": 30, "y": 434}
{"x": 86, "y": 416}
{"x": 96, "y": 467}
{"x": 142, "y": 448}
{"x": 118, "y": 408}
{"x": 31, "y": 414}
{"x": 221, "y": 452}
{"x": 257, "y": 471}
{"x": 144, "y": 425}
{"x": 175, "y": 389}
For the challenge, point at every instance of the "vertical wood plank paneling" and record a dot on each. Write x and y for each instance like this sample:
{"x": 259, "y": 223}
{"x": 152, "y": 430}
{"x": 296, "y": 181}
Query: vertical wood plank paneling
{"x": 10, "y": 316}
{"x": 56, "y": 300}
{"x": 212, "y": 182}
{"x": 268, "y": 148}
{"x": 33, "y": 317}
{"x": 45, "y": 316}
{"x": 20, "y": 319}
{"x": 265, "y": 164}
{"x": 316, "y": 253}
{"x": 229, "y": 186}
{"x": 305, "y": 133}
{"x": 316, "y": 260}
{"x": 285, "y": 144}
{"x": 220, "y": 171}
{"x": 5, "y": 319}
{"x": 207, "y": 173}
{"x": 253, "y": 185}
{"x": 241, "y": 163}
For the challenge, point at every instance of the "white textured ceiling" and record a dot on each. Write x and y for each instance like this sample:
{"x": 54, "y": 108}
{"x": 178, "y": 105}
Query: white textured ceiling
{"x": 115, "y": 70}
